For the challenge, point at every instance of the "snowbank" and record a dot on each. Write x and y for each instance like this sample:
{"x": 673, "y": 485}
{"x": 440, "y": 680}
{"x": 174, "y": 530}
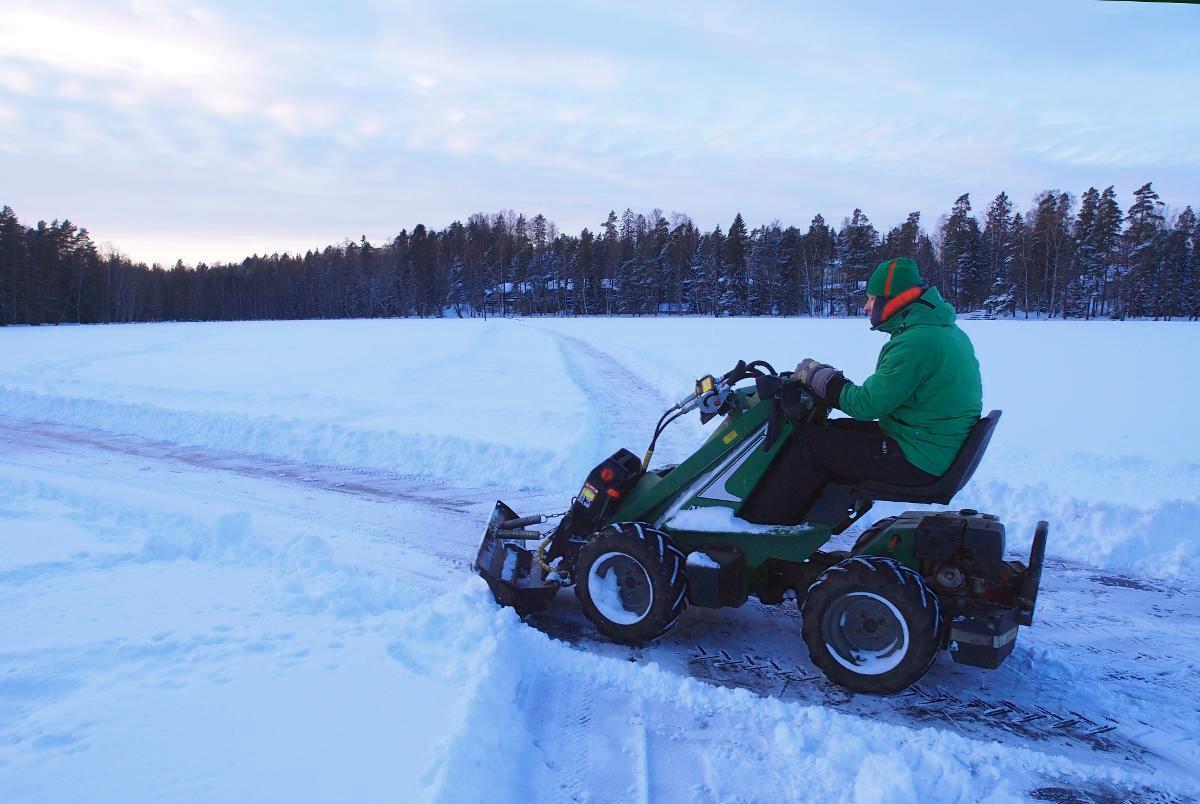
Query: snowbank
{"x": 1095, "y": 434}
{"x": 469, "y": 401}
{"x": 192, "y": 656}
{"x": 219, "y": 645}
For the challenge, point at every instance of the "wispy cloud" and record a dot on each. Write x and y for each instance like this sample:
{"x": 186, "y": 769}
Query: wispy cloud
{"x": 136, "y": 53}
{"x": 162, "y": 117}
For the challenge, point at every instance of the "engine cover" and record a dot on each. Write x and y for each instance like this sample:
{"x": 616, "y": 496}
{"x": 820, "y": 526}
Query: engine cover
{"x": 969, "y": 536}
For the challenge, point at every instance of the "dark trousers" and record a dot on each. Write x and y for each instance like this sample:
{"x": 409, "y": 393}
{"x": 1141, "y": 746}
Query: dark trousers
{"x": 843, "y": 450}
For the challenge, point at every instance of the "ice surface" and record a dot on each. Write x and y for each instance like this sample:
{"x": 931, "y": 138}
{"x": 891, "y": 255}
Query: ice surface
{"x": 534, "y": 405}
{"x": 208, "y": 608}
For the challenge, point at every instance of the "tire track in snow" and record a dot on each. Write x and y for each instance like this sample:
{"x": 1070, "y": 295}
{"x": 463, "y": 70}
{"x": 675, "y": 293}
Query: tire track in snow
{"x": 21, "y": 444}
{"x": 367, "y": 483}
{"x": 750, "y": 649}
{"x": 1078, "y": 627}
{"x": 1093, "y": 732}
{"x": 622, "y": 408}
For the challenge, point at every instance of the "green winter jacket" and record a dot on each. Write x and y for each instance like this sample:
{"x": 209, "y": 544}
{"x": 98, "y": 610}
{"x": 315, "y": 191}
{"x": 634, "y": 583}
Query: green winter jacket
{"x": 926, "y": 390}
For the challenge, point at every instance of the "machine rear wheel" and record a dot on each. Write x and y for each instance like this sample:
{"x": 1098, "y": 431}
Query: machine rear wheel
{"x": 630, "y": 582}
{"x": 872, "y": 625}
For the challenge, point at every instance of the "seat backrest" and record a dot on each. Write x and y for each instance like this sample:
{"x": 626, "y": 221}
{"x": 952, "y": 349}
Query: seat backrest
{"x": 968, "y": 458}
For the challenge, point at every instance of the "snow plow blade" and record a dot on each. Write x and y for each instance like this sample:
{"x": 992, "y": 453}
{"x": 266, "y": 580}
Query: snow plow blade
{"x": 510, "y": 570}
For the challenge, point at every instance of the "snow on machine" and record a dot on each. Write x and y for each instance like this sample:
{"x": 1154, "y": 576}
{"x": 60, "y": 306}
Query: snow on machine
{"x": 640, "y": 544}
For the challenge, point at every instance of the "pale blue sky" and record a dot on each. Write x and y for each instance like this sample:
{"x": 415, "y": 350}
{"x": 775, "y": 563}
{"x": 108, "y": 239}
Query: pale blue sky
{"x": 212, "y": 130}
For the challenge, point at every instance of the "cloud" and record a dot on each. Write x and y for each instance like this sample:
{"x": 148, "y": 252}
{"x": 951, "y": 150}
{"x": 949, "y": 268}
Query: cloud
{"x": 8, "y": 117}
{"x": 421, "y": 110}
{"x": 137, "y": 52}
{"x": 16, "y": 81}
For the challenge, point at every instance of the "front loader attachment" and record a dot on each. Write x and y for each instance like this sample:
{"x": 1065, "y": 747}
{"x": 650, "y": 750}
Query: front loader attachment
{"x": 512, "y": 572}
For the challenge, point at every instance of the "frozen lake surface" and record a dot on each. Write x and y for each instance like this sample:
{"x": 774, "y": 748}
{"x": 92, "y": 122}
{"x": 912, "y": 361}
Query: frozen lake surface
{"x": 234, "y": 564}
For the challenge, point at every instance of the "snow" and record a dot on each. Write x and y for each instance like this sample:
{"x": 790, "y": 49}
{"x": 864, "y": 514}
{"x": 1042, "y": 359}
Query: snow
{"x": 234, "y": 563}
{"x": 441, "y": 399}
{"x": 699, "y": 558}
{"x": 873, "y": 663}
{"x": 1113, "y": 468}
{"x": 606, "y": 595}
{"x": 161, "y": 648}
{"x": 718, "y": 519}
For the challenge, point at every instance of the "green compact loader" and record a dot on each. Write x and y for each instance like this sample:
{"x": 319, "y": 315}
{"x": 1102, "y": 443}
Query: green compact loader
{"x": 640, "y": 544}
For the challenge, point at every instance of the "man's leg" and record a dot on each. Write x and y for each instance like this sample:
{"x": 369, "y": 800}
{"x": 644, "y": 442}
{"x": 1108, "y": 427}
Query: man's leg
{"x": 872, "y": 428}
{"x": 844, "y": 450}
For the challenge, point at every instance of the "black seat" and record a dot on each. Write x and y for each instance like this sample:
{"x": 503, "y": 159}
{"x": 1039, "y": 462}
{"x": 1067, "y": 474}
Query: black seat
{"x": 946, "y": 486}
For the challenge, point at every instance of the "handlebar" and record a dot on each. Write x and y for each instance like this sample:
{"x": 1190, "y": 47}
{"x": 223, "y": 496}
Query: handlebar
{"x": 744, "y": 371}
{"x": 712, "y": 395}
{"x": 711, "y": 392}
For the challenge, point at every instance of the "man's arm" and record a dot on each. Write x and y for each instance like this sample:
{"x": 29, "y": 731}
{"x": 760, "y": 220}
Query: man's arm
{"x": 897, "y": 376}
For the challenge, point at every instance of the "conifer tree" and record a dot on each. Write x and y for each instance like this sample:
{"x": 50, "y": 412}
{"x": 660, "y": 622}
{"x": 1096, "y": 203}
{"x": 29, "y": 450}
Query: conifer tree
{"x": 1050, "y": 250}
{"x": 1082, "y": 291}
{"x": 996, "y": 254}
{"x": 584, "y": 297}
{"x": 904, "y": 240}
{"x": 1105, "y": 240}
{"x": 786, "y": 273}
{"x": 964, "y": 283}
{"x": 1144, "y": 220}
{"x": 818, "y": 254}
{"x": 734, "y": 284}
{"x": 1176, "y": 271}
{"x": 857, "y": 254}
{"x": 704, "y": 277}
{"x": 1191, "y": 282}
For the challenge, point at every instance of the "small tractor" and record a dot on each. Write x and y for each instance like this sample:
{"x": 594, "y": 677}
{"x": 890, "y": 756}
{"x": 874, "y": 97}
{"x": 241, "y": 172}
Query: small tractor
{"x": 639, "y": 545}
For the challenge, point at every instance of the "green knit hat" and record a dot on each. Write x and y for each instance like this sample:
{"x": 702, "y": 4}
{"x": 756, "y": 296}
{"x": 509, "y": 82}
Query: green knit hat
{"x": 893, "y": 277}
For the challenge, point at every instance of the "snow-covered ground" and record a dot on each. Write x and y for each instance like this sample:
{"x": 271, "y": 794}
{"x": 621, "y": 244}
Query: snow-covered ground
{"x": 234, "y": 566}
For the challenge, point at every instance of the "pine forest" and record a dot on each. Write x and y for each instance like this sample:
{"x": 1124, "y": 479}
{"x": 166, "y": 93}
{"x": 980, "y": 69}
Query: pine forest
{"x": 1064, "y": 257}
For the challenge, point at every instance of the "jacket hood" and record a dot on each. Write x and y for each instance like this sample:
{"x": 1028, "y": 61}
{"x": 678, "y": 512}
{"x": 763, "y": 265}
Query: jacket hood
{"x": 927, "y": 310}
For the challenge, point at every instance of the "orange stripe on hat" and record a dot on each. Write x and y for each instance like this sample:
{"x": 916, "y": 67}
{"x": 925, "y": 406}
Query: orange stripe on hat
{"x": 895, "y": 304}
{"x": 887, "y": 286}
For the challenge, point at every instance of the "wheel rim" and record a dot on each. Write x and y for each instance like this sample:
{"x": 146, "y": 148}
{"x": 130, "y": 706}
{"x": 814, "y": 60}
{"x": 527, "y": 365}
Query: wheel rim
{"x": 866, "y": 633}
{"x": 620, "y": 588}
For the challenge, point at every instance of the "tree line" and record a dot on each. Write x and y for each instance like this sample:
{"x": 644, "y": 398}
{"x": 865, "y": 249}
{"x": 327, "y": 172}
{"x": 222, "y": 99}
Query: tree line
{"x": 1065, "y": 257}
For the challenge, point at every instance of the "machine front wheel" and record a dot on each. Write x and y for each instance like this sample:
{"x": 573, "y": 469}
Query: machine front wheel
{"x": 872, "y": 625}
{"x": 630, "y": 582}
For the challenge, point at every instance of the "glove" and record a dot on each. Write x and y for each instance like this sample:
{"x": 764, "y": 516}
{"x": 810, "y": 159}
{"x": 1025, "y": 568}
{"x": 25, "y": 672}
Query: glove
{"x": 824, "y": 380}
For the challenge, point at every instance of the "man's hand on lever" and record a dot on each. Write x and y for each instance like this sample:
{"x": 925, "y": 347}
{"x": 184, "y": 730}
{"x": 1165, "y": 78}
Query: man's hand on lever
{"x": 824, "y": 380}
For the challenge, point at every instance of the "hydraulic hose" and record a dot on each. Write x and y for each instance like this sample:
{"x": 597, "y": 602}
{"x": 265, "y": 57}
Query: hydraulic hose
{"x": 662, "y": 425}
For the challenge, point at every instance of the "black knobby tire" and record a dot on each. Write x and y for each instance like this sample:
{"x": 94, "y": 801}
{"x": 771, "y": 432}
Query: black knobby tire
{"x": 868, "y": 535}
{"x": 872, "y": 625}
{"x": 640, "y": 586}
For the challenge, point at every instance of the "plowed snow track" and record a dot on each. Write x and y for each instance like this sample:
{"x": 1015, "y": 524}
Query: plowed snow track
{"x": 1107, "y": 676}
{"x": 1127, "y": 643}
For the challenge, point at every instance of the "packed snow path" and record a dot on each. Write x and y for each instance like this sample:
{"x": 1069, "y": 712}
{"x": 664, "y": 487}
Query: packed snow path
{"x": 195, "y": 622}
{"x": 1072, "y": 690}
